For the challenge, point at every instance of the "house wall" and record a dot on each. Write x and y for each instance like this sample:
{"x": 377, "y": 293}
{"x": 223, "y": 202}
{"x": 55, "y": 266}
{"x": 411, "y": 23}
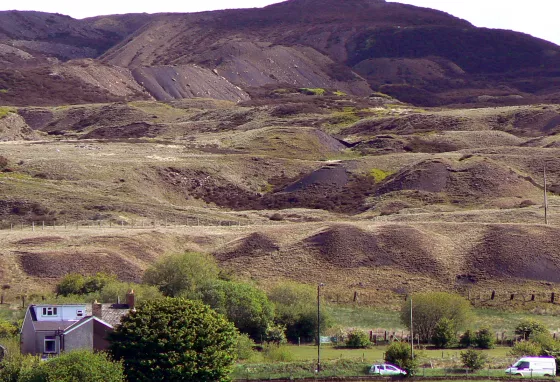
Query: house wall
{"x": 40, "y": 341}
{"x": 80, "y": 338}
{"x": 64, "y": 312}
{"x": 27, "y": 336}
{"x": 100, "y": 333}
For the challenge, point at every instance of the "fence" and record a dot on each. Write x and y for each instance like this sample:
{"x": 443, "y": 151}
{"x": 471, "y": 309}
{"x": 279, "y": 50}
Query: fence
{"x": 133, "y": 224}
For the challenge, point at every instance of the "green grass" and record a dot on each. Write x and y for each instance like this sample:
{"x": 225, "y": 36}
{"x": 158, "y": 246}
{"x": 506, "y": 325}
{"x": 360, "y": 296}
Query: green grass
{"x": 3, "y": 91}
{"x": 379, "y": 175}
{"x": 313, "y": 91}
{"x": 5, "y": 110}
{"x": 368, "y": 318}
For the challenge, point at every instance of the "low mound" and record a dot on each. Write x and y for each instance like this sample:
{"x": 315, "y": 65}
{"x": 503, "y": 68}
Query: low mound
{"x": 332, "y": 176}
{"x": 468, "y": 180}
{"x": 529, "y": 252}
{"x": 287, "y": 142}
{"x": 13, "y": 127}
{"x": 400, "y": 247}
{"x": 133, "y": 130}
{"x": 254, "y": 245}
{"x": 58, "y": 264}
{"x": 41, "y": 240}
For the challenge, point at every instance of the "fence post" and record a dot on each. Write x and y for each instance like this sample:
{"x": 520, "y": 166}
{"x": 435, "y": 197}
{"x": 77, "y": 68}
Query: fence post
{"x": 33, "y": 226}
{"x": 43, "y": 224}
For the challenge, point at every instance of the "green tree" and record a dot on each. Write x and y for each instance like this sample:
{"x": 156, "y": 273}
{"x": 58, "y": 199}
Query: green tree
{"x": 398, "y": 353}
{"x": 175, "y": 339}
{"x": 76, "y": 284}
{"x": 528, "y": 327}
{"x": 357, "y": 339}
{"x": 445, "y": 333}
{"x": 181, "y": 274}
{"x": 473, "y": 359}
{"x": 296, "y": 310}
{"x": 243, "y": 304}
{"x": 429, "y": 308}
{"x": 484, "y": 339}
{"x": 81, "y": 365}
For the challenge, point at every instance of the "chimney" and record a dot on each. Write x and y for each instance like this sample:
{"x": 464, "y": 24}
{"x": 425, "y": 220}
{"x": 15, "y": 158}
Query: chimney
{"x": 97, "y": 309}
{"x": 130, "y": 300}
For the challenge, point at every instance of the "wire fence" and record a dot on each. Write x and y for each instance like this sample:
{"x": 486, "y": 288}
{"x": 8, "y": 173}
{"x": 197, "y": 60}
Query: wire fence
{"x": 133, "y": 224}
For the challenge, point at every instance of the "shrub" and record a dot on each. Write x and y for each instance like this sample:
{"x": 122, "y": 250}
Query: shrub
{"x": 358, "y": 339}
{"x": 7, "y": 329}
{"x": 525, "y": 348}
{"x": 181, "y": 274}
{"x": 175, "y": 339}
{"x": 467, "y": 339}
{"x": 473, "y": 359}
{"x": 528, "y": 327}
{"x": 75, "y": 283}
{"x": 81, "y": 365}
{"x": 444, "y": 333}
{"x": 429, "y": 308}
{"x": 484, "y": 339}
{"x": 276, "y": 334}
{"x": 398, "y": 353}
{"x": 3, "y": 162}
{"x": 243, "y": 304}
{"x": 245, "y": 347}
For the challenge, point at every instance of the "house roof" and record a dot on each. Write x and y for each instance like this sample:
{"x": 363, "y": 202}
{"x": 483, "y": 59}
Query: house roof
{"x": 84, "y": 320}
{"x": 110, "y": 313}
{"x": 52, "y": 325}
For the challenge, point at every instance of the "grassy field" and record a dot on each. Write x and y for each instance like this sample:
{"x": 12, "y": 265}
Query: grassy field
{"x": 368, "y": 318}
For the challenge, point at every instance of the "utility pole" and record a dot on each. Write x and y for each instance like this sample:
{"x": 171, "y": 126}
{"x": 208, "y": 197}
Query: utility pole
{"x": 319, "y": 326}
{"x": 545, "y": 198}
{"x": 411, "y": 333}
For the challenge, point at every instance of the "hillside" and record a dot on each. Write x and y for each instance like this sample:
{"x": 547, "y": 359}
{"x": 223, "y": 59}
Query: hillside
{"x": 418, "y": 55}
{"x": 378, "y": 147}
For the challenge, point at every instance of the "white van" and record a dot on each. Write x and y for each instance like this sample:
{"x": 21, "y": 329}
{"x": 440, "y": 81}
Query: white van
{"x": 533, "y": 367}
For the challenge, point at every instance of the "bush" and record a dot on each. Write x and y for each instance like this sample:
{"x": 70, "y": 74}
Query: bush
{"x": 467, "y": 339}
{"x": 3, "y": 162}
{"x": 81, "y": 365}
{"x": 15, "y": 367}
{"x": 76, "y": 284}
{"x": 358, "y": 339}
{"x": 243, "y": 304}
{"x": 276, "y": 334}
{"x": 398, "y": 353}
{"x": 429, "y": 308}
{"x": 7, "y": 329}
{"x": 245, "y": 347}
{"x": 175, "y": 339}
{"x": 484, "y": 339}
{"x": 444, "y": 334}
{"x": 525, "y": 348}
{"x": 473, "y": 359}
{"x": 528, "y": 327}
{"x": 181, "y": 274}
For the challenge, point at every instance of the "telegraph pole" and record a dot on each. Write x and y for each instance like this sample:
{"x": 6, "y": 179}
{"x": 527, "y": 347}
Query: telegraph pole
{"x": 319, "y": 326}
{"x": 411, "y": 333}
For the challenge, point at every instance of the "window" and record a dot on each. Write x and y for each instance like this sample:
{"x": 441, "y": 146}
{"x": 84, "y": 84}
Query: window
{"x": 50, "y": 311}
{"x": 79, "y": 313}
{"x": 50, "y": 345}
{"x": 391, "y": 368}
